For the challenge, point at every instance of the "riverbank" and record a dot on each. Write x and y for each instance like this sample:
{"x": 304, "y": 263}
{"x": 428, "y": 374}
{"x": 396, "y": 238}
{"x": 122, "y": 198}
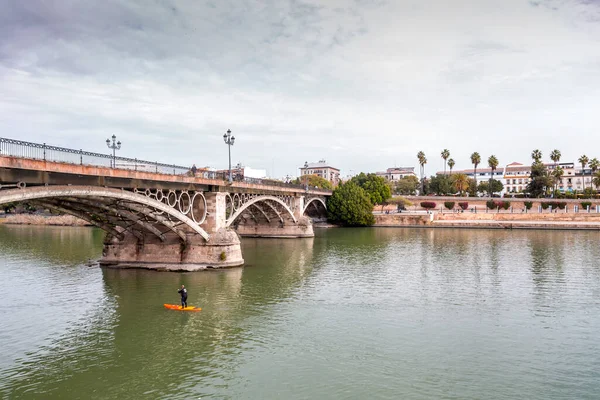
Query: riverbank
{"x": 491, "y": 220}
{"x": 37, "y": 219}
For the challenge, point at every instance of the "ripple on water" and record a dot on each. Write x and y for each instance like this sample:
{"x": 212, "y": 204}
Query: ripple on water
{"x": 378, "y": 313}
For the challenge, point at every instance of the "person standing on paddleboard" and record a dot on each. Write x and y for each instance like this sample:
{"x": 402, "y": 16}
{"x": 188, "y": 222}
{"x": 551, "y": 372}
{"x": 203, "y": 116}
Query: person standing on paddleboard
{"x": 183, "y": 293}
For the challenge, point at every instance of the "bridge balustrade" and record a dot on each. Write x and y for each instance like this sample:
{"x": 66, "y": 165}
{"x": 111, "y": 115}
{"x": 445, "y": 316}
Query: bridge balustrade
{"x": 46, "y": 152}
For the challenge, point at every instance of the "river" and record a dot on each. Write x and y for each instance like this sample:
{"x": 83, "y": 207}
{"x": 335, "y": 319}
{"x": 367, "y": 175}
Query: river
{"x": 377, "y": 313}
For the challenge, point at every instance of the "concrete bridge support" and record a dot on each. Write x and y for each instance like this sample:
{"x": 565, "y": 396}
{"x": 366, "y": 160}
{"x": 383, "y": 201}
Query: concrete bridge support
{"x": 222, "y": 249}
{"x": 272, "y": 217}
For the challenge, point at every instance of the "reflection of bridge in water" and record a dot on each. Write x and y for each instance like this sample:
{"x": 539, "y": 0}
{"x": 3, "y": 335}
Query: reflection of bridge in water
{"x": 164, "y": 217}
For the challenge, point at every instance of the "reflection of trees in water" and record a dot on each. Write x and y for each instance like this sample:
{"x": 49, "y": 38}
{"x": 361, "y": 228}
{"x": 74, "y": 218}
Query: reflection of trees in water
{"x": 59, "y": 244}
{"x": 146, "y": 348}
{"x": 547, "y": 261}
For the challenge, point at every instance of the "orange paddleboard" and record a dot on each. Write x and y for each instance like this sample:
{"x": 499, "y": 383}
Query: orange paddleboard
{"x": 178, "y": 307}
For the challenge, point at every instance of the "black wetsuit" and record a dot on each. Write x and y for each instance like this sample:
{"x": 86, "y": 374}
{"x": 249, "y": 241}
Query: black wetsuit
{"x": 183, "y": 293}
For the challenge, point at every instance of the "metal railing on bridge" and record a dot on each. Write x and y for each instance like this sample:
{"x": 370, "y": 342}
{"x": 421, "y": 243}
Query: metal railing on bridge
{"x": 43, "y": 151}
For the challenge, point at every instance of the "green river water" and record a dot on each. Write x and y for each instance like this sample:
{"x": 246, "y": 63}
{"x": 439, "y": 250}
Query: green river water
{"x": 374, "y": 313}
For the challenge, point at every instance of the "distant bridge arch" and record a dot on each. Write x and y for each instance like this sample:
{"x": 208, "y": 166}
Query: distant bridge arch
{"x": 315, "y": 207}
{"x": 270, "y": 207}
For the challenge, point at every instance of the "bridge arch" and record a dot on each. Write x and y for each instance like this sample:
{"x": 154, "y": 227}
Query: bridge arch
{"x": 139, "y": 213}
{"x": 315, "y": 208}
{"x": 274, "y": 204}
{"x": 314, "y": 202}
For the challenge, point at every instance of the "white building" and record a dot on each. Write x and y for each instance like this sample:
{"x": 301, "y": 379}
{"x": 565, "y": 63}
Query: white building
{"x": 397, "y": 173}
{"x": 321, "y": 169}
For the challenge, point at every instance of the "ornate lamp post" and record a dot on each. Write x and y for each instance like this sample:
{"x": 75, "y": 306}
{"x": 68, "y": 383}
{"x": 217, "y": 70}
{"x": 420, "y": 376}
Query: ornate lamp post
{"x": 114, "y": 146}
{"x": 229, "y": 140}
{"x": 305, "y": 175}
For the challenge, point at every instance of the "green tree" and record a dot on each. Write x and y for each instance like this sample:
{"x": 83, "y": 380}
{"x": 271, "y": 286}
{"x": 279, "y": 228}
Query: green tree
{"x": 555, "y": 156}
{"x": 557, "y": 175}
{"x": 440, "y": 185}
{"x": 596, "y": 179}
{"x": 472, "y": 187}
{"x": 350, "y": 205}
{"x": 492, "y": 186}
{"x": 536, "y": 155}
{"x": 475, "y": 160}
{"x": 539, "y": 181}
{"x": 461, "y": 183}
{"x": 445, "y": 154}
{"x": 375, "y": 186}
{"x": 422, "y": 161}
{"x": 594, "y": 165}
{"x": 493, "y": 164}
{"x": 451, "y": 165}
{"x": 583, "y": 160}
{"x": 314, "y": 181}
{"x": 407, "y": 185}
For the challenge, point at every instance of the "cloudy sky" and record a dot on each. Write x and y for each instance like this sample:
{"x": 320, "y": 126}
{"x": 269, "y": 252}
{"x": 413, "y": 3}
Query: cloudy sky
{"x": 365, "y": 84}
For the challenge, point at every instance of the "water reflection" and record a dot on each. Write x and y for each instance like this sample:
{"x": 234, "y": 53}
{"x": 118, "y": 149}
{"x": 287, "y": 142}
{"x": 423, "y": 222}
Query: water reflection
{"x": 352, "y": 313}
{"x": 131, "y": 345}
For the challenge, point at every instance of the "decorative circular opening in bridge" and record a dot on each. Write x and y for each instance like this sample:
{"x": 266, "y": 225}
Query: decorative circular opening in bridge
{"x": 199, "y": 208}
{"x": 185, "y": 203}
{"x": 160, "y": 195}
{"x": 237, "y": 202}
{"x": 228, "y": 206}
{"x": 172, "y": 199}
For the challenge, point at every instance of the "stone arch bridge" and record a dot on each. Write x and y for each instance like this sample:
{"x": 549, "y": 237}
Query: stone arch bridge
{"x": 160, "y": 220}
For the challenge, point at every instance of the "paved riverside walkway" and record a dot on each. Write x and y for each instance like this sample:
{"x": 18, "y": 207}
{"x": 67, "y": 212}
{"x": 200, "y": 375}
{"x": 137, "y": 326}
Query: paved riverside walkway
{"x": 540, "y": 224}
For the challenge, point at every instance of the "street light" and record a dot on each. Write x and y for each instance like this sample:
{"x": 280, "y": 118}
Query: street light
{"x": 305, "y": 175}
{"x": 229, "y": 140}
{"x": 115, "y": 146}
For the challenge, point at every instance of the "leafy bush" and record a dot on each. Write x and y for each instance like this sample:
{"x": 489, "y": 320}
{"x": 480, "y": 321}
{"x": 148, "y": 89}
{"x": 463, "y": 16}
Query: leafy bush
{"x": 570, "y": 195}
{"x": 350, "y": 205}
{"x": 545, "y": 205}
{"x": 463, "y": 204}
{"x": 491, "y": 204}
{"x": 528, "y": 204}
{"x": 449, "y": 205}
{"x": 558, "y": 204}
{"x": 505, "y": 204}
{"x": 428, "y": 204}
{"x": 585, "y": 204}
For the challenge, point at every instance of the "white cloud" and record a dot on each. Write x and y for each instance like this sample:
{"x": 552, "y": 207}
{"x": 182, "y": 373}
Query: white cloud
{"x": 364, "y": 84}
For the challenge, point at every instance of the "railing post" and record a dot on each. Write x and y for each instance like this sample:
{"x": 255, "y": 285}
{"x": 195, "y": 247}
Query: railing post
{"x": 44, "y": 151}
{"x": 135, "y": 164}
{"x": 156, "y": 166}
{"x": 80, "y": 156}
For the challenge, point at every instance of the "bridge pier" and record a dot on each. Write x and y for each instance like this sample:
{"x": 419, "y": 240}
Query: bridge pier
{"x": 301, "y": 229}
{"x": 222, "y": 250}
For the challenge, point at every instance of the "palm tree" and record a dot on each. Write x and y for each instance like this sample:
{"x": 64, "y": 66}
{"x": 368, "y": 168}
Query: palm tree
{"x": 451, "y": 165}
{"x": 493, "y": 164}
{"x": 594, "y": 165}
{"x": 445, "y": 154}
{"x": 557, "y": 174}
{"x": 536, "y": 155}
{"x": 475, "y": 160}
{"x": 583, "y": 160}
{"x": 422, "y": 161}
{"x": 461, "y": 183}
{"x": 596, "y": 179}
{"x": 555, "y": 156}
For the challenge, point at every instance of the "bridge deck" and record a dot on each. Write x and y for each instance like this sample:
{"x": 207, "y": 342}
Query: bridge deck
{"x": 40, "y": 172}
